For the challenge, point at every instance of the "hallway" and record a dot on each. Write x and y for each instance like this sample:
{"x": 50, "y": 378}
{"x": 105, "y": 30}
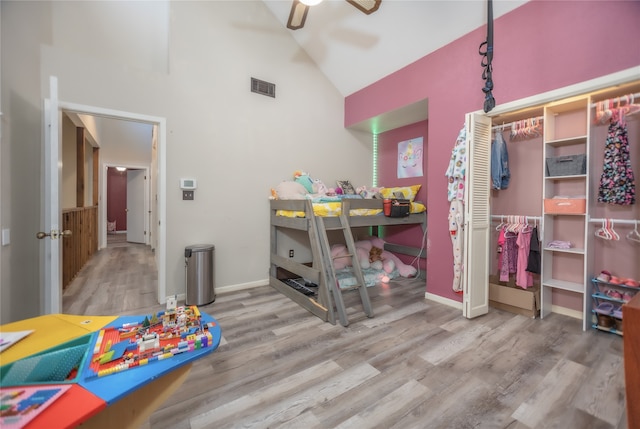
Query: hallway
{"x": 120, "y": 279}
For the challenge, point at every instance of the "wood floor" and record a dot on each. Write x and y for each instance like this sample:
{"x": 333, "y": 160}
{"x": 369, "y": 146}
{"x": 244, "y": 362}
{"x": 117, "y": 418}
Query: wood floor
{"x": 416, "y": 364}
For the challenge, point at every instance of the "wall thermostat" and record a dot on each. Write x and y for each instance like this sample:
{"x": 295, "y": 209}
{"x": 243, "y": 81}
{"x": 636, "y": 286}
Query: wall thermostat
{"x": 188, "y": 184}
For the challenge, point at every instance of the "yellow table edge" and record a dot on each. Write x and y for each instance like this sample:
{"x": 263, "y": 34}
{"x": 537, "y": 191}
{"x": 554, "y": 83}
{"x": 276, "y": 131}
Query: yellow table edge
{"x": 66, "y": 327}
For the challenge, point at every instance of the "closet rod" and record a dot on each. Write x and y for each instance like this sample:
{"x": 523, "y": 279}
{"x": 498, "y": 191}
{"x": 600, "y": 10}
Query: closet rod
{"x": 510, "y": 124}
{"x": 617, "y": 221}
{"x": 636, "y": 96}
{"x": 506, "y": 217}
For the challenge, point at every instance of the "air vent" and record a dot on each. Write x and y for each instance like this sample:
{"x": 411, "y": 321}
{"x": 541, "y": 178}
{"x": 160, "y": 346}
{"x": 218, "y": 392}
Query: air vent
{"x": 261, "y": 87}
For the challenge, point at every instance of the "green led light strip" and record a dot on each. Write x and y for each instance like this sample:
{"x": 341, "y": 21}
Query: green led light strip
{"x": 375, "y": 160}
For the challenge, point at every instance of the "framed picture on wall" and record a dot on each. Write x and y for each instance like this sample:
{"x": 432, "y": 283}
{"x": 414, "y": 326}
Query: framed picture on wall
{"x": 410, "y": 158}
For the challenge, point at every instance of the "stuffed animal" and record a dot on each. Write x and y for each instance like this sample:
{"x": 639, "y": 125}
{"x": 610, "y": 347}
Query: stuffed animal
{"x": 288, "y": 190}
{"x": 403, "y": 269}
{"x": 368, "y": 193}
{"x": 320, "y": 187}
{"x": 375, "y": 254}
{"x": 371, "y": 253}
{"x": 306, "y": 181}
{"x": 341, "y": 258}
{"x": 370, "y": 257}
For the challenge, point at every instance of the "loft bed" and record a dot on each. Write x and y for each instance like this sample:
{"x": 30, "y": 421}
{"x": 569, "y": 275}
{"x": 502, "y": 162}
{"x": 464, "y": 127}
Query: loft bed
{"x": 316, "y": 220}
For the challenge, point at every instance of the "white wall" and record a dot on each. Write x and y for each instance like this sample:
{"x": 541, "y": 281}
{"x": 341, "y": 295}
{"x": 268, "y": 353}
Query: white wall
{"x": 236, "y": 143}
{"x": 125, "y": 142}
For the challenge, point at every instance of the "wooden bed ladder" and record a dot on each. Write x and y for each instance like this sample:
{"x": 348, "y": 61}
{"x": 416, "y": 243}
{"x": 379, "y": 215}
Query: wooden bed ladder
{"x": 332, "y": 281}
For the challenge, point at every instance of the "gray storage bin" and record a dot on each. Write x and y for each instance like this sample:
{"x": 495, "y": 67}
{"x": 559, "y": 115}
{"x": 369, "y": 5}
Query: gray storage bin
{"x": 567, "y": 165}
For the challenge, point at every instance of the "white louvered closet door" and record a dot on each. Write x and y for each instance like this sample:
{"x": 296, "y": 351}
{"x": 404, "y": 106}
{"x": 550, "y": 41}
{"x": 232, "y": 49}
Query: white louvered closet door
{"x": 477, "y": 216}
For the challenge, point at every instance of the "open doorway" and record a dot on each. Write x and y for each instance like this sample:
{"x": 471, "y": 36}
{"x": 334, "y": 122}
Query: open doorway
{"x": 127, "y": 204}
{"x": 149, "y": 214}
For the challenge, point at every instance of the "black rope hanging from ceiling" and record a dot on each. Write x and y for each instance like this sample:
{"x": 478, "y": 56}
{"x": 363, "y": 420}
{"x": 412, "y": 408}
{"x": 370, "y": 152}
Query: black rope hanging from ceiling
{"x": 486, "y": 51}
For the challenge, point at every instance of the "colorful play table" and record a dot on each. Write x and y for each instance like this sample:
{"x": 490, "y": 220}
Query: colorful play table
{"x": 122, "y": 396}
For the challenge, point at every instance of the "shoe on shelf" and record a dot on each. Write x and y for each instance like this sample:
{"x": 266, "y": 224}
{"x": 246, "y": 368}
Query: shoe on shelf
{"x": 612, "y": 293}
{"x": 626, "y": 297}
{"x": 604, "y": 276}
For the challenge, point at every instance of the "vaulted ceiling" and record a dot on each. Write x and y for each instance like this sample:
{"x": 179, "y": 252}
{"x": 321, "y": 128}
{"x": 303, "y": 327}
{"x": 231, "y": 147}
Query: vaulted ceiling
{"x": 355, "y": 50}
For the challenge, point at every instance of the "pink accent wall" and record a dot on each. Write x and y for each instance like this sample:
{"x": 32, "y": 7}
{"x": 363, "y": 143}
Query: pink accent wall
{"x": 541, "y": 46}
{"x": 388, "y": 177}
{"x": 117, "y": 198}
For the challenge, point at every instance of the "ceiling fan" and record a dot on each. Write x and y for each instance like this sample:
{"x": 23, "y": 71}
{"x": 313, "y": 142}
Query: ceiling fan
{"x": 300, "y": 8}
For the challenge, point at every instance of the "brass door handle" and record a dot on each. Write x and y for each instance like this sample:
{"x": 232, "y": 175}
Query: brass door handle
{"x": 54, "y": 234}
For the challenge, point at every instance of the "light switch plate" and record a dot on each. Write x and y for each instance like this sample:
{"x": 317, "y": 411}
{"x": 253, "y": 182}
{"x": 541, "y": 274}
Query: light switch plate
{"x": 6, "y": 236}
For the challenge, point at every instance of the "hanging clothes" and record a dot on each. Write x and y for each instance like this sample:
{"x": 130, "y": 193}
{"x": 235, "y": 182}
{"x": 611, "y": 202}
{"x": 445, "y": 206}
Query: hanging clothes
{"x": 455, "y": 173}
{"x": 500, "y": 173}
{"x": 509, "y": 256}
{"x": 534, "y": 260}
{"x": 456, "y": 215}
{"x": 457, "y": 168}
{"x": 500, "y": 248}
{"x": 617, "y": 184}
{"x": 524, "y": 278}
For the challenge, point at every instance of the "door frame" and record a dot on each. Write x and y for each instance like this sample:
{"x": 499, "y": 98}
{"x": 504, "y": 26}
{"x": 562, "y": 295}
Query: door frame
{"x": 103, "y": 192}
{"x": 160, "y": 124}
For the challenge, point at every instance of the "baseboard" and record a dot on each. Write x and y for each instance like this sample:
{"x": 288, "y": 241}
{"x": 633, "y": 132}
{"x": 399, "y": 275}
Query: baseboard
{"x": 441, "y": 300}
{"x": 242, "y": 286}
{"x": 566, "y": 312}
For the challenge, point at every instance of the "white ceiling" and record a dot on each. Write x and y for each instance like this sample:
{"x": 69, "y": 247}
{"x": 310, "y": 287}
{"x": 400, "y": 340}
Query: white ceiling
{"x": 355, "y": 50}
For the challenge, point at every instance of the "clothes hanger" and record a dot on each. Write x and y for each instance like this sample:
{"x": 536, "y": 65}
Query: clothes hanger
{"x": 510, "y": 225}
{"x": 499, "y": 227}
{"x": 614, "y": 234}
{"x": 514, "y": 224}
{"x": 635, "y": 234}
{"x": 630, "y": 108}
{"x": 603, "y": 232}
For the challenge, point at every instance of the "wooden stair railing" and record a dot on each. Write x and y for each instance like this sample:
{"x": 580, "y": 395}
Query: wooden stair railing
{"x": 80, "y": 246}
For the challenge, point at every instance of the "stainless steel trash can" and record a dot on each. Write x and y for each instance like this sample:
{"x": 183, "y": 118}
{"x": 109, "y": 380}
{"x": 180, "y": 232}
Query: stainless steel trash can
{"x": 199, "y": 274}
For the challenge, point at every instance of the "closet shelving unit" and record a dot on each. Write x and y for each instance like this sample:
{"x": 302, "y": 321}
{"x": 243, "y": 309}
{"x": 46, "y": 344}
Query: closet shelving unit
{"x": 598, "y": 212}
{"x": 565, "y": 271}
{"x": 570, "y": 128}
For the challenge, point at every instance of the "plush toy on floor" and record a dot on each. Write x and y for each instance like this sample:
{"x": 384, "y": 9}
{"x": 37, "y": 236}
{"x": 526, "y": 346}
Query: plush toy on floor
{"x": 341, "y": 258}
{"x": 371, "y": 253}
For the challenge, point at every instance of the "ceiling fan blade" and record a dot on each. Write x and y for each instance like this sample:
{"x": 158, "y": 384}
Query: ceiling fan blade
{"x": 366, "y": 6}
{"x": 298, "y": 15}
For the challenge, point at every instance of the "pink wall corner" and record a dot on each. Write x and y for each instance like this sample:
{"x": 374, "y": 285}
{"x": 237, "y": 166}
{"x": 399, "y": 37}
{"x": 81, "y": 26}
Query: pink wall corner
{"x": 541, "y": 46}
{"x": 388, "y": 177}
{"x": 117, "y": 198}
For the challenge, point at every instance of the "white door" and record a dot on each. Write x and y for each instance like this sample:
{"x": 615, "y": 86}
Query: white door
{"x": 477, "y": 217}
{"x": 135, "y": 206}
{"x": 51, "y": 246}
